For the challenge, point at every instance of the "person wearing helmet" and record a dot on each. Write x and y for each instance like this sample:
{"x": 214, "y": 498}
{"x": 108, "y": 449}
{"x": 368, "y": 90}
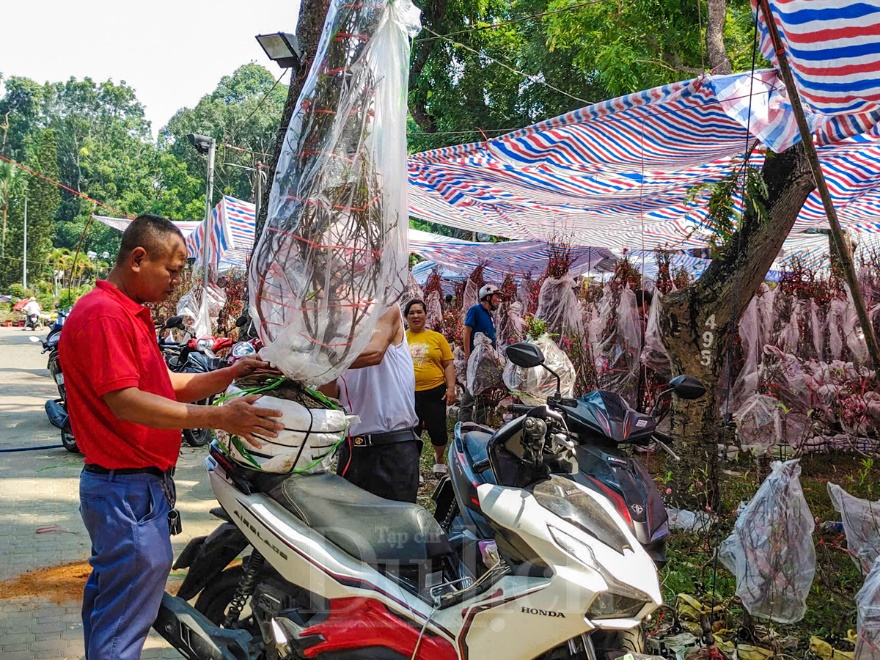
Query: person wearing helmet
{"x": 478, "y": 319}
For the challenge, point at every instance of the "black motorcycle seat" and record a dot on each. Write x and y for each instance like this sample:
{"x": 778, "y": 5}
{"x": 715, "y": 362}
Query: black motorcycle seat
{"x": 476, "y": 446}
{"x": 372, "y": 529}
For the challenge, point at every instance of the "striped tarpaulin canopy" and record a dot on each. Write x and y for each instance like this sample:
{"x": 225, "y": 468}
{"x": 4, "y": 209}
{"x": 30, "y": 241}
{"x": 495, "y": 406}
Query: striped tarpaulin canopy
{"x": 833, "y": 51}
{"x": 515, "y": 257}
{"x": 618, "y": 174}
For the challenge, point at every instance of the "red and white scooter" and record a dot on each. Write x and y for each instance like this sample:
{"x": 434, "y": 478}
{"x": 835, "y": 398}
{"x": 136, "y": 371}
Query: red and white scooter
{"x": 334, "y": 572}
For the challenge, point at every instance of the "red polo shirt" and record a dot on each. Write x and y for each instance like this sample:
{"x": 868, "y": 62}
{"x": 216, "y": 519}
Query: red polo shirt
{"x": 108, "y": 344}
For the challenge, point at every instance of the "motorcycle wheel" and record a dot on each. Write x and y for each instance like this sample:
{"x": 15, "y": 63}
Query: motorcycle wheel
{"x": 69, "y": 442}
{"x": 199, "y": 437}
{"x": 631, "y": 641}
{"x": 215, "y": 599}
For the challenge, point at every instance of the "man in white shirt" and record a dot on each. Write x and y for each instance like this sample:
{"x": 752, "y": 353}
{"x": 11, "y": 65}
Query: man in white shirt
{"x": 381, "y": 453}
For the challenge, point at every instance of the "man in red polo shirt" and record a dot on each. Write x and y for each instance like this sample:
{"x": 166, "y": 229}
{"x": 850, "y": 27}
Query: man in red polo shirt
{"x": 127, "y": 410}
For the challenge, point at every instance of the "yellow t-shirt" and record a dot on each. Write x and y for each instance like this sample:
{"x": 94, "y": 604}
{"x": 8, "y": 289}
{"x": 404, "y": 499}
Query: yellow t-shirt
{"x": 429, "y": 350}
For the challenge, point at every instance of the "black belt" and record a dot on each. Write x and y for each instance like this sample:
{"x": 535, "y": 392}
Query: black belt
{"x": 156, "y": 472}
{"x": 377, "y": 439}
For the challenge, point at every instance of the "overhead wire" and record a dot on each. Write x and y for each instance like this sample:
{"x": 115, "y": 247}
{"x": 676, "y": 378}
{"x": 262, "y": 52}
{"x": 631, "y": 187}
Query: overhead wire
{"x": 530, "y": 77}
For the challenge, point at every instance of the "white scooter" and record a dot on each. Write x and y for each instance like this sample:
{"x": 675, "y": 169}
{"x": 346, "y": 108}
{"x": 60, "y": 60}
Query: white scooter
{"x": 337, "y": 573}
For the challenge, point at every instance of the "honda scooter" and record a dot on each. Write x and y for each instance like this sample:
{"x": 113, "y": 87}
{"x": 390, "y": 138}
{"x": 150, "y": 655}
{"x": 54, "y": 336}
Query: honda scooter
{"x": 599, "y": 423}
{"x": 335, "y": 572}
{"x": 56, "y": 409}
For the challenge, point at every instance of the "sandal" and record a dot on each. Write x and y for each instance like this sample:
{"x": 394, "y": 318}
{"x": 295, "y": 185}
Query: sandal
{"x": 440, "y": 470}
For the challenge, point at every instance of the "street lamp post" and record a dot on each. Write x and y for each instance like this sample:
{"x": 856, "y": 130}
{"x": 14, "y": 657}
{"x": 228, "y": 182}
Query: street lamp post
{"x": 206, "y": 145}
{"x": 24, "y": 250}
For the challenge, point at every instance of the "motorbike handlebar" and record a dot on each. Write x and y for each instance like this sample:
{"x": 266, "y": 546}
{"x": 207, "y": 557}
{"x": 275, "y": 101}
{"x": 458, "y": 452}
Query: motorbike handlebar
{"x": 519, "y": 408}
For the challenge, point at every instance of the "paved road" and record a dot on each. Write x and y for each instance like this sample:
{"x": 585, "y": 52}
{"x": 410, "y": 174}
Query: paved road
{"x": 40, "y": 526}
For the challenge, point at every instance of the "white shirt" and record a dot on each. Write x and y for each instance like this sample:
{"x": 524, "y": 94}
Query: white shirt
{"x": 33, "y": 307}
{"x": 383, "y": 396}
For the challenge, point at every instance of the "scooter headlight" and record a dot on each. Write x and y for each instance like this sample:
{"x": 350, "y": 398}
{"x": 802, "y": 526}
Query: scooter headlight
{"x": 205, "y": 344}
{"x": 609, "y": 605}
{"x": 243, "y": 349}
{"x": 621, "y": 601}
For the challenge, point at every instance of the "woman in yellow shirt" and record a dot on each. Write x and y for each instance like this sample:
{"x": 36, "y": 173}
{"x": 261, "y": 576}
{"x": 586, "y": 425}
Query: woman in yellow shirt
{"x": 435, "y": 379}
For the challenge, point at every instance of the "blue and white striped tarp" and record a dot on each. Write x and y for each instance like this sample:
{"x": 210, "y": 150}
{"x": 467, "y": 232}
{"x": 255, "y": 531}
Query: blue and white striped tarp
{"x": 833, "y": 49}
{"x": 618, "y": 174}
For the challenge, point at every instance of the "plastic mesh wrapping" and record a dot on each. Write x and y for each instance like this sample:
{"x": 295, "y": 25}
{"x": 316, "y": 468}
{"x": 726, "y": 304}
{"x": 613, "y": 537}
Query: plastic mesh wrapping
{"x": 333, "y": 253}
{"x": 559, "y": 307}
{"x": 771, "y": 548}
{"x": 412, "y": 291}
{"x": 617, "y": 350}
{"x": 868, "y": 606}
{"x": 534, "y": 385}
{"x": 484, "y": 368}
{"x": 861, "y": 524}
{"x": 749, "y": 329}
{"x": 200, "y": 318}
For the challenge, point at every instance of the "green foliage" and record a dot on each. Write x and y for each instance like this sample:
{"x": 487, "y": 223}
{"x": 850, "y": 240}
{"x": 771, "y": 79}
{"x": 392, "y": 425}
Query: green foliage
{"x": 244, "y": 111}
{"x": 16, "y": 290}
{"x": 535, "y": 327}
{"x": 588, "y": 50}
{"x": 723, "y": 218}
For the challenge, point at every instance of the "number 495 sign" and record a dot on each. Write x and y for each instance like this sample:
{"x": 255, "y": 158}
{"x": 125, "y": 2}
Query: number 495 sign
{"x": 708, "y": 342}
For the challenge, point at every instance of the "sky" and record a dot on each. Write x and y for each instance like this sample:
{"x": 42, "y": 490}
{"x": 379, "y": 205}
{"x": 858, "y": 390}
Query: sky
{"x": 172, "y": 52}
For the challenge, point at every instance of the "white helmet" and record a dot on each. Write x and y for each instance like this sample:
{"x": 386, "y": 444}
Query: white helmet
{"x": 320, "y": 429}
{"x": 488, "y": 290}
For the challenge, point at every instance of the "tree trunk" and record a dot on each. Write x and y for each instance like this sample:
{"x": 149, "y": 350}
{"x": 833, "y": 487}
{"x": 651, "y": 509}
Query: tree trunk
{"x": 312, "y": 14}
{"x": 718, "y": 60}
{"x": 698, "y": 323}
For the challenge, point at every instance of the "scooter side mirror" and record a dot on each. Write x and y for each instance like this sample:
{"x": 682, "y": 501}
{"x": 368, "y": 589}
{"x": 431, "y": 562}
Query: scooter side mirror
{"x": 175, "y": 322}
{"x": 687, "y": 387}
{"x": 525, "y": 355}
{"x": 242, "y": 321}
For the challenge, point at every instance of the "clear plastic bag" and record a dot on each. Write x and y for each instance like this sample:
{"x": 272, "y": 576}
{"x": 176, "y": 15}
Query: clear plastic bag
{"x": 861, "y": 524}
{"x": 434, "y": 311}
{"x": 868, "y": 607}
{"x": 484, "y": 367}
{"x": 559, "y": 307}
{"x": 749, "y": 329}
{"x": 654, "y": 354}
{"x": 513, "y": 326}
{"x": 200, "y": 313}
{"x": 759, "y": 423}
{"x": 412, "y": 291}
{"x": 333, "y": 254}
{"x": 616, "y": 355}
{"x": 533, "y": 386}
{"x": 771, "y": 550}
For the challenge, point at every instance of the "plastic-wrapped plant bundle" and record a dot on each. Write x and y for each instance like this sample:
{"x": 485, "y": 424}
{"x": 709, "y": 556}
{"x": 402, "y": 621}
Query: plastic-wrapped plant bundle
{"x": 771, "y": 550}
{"x": 197, "y": 316}
{"x": 868, "y": 606}
{"x": 759, "y": 423}
{"x": 654, "y": 354}
{"x": 333, "y": 253}
{"x": 861, "y": 524}
{"x": 746, "y": 383}
{"x": 514, "y": 325}
{"x": 534, "y": 385}
{"x": 617, "y": 352}
{"x": 412, "y": 291}
{"x": 766, "y": 298}
{"x": 559, "y": 307}
{"x": 484, "y": 367}
{"x": 434, "y": 311}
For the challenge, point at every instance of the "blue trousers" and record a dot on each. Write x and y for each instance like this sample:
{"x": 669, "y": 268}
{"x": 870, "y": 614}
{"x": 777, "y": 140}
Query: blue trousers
{"x": 127, "y": 520}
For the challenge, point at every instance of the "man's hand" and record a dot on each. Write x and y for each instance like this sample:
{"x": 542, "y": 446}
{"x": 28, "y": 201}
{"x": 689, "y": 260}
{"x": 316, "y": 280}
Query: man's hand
{"x": 240, "y": 417}
{"x": 250, "y": 364}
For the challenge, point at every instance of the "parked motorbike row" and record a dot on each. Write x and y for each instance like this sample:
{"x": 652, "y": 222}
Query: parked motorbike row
{"x": 545, "y": 543}
{"x": 192, "y": 355}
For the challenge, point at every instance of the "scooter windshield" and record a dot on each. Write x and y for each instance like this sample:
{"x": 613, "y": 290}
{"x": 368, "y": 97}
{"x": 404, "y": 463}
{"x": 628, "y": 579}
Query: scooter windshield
{"x": 563, "y": 498}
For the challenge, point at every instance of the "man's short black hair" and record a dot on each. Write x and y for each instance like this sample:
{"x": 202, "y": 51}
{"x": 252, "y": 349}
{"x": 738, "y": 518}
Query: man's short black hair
{"x": 151, "y": 232}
